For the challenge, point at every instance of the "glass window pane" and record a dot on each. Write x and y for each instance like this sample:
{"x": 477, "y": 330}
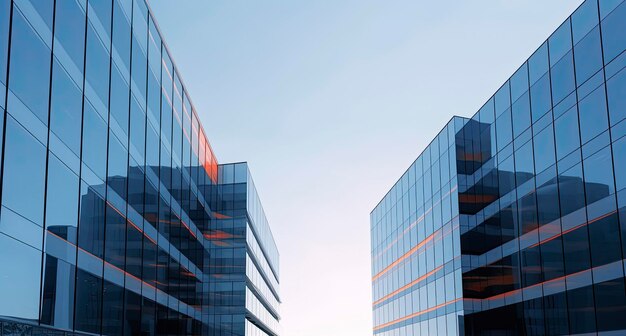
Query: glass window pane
{"x": 504, "y": 131}
{"x": 24, "y": 173}
{"x": 567, "y": 133}
{"x": 619, "y": 159}
{"x": 118, "y": 167}
{"x": 88, "y": 302}
{"x": 584, "y": 19}
{"x": 30, "y": 68}
{"x": 582, "y": 315}
{"x": 588, "y": 54}
{"x": 62, "y": 200}
{"x": 91, "y": 226}
{"x": 560, "y": 42}
{"x": 69, "y": 30}
{"x": 538, "y": 64}
{"x": 540, "y": 97}
{"x": 524, "y": 163}
{"x": 120, "y": 100}
{"x": 610, "y": 305}
{"x": 115, "y": 245}
{"x": 67, "y": 108}
{"x": 19, "y": 279}
{"x": 5, "y": 10}
{"x": 563, "y": 82}
{"x": 572, "y": 190}
{"x": 503, "y": 99}
{"x": 519, "y": 82}
{"x": 113, "y": 309}
{"x": 593, "y": 115}
{"x": 616, "y": 92}
{"x": 121, "y": 36}
{"x": 57, "y": 302}
{"x": 544, "y": 149}
{"x": 94, "y": 141}
{"x": 97, "y": 71}
{"x": 605, "y": 243}
{"x": 599, "y": 175}
{"x": 521, "y": 115}
{"x": 613, "y": 37}
{"x": 576, "y": 250}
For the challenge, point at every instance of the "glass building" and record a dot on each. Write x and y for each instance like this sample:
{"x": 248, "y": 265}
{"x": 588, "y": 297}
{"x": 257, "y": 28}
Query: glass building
{"x": 513, "y": 221}
{"x": 116, "y": 217}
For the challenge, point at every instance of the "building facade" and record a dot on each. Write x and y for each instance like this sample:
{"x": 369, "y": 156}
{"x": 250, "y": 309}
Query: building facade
{"x": 513, "y": 221}
{"x": 116, "y": 217}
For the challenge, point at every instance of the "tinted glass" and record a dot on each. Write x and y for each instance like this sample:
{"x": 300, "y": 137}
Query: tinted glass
{"x": 24, "y": 173}
{"x": 30, "y": 68}
{"x": 94, "y": 141}
{"x": 62, "y": 200}
{"x": 67, "y": 108}
{"x": 57, "y": 302}
{"x": 598, "y": 175}
{"x": 544, "y": 149}
{"x": 91, "y": 226}
{"x": 613, "y": 38}
{"x": 88, "y": 302}
{"x": 588, "y": 54}
{"x": 69, "y": 30}
{"x": 567, "y": 133}
{"x": 616, "y": 92}
{"x": 593, "y": 115}
{"x": 19, "y": 279}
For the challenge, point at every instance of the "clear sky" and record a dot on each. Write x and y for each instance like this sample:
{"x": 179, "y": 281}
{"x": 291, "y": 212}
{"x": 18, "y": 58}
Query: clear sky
{"x": 330, "y": 101}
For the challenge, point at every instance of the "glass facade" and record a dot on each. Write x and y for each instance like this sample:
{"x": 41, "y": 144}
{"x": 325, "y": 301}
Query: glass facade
{"x": 513, "y": 222}
{"x": 115, "y": 216}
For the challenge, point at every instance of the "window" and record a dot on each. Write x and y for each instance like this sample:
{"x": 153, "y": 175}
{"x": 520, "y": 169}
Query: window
{"x": 5, "y": 10}
{"x": 67, "y": 108}
{"x": 91, "y": 226}
{"x": 610, "y": 305}
{"x": 113, "y": 309}
{"x": 544, "y": 149}
{"x": 604, "y": 241}
{"x": 582, "y": 315}
{"x": 94, "y": 141}
{"x": 548, "y": 198}
{"x": 88, "y": 302}
{"x": 588, "y": 55}
{"x": 137, "y": 130}
{"x": 567, "y": 133}
{"x": 540, "y": 97}
{"x": 506, "y": 175}
{"x": 30, "y": 68}
{"x": 524, "y": 163}
{"x": 560, "y": 42}
{"x": 584, "y": 19}
{"x": 69, "y": 30}
{"x": 616, "y": 91}
{"x": 24, "y": 173}
{"x": 576, "y": 250}
{"x": 19, "y": 279}
{"x": 563, "y": 82}
{"x": 572, "y": 191}
{"x": 57, "y": 302}
{"x": 538, "y": 64}
{"x": 62, "y": 200}
{"x": 503, "y": 99}
{"x": 593, "y": 115}
{"x": 102, "y": 10}
{"x": 118, "y": 167}
{"x": 613, "y": 37}
{"x": 121, "y": 36}
{"x": 519, "y": 82}
{"x": 97, "y": 71}
{"x": 619, "y": 160}
{"x": 504, "y": 130}
{"x": 120, "y": 100}
{"x": 598, "y": 175}
{"x": 521, "y": 115}
{"x": 555, "y": 311}
{"x": 115, "y": 245}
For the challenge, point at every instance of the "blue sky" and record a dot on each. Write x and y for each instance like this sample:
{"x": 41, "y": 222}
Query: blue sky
{"x": 329, "y": 102}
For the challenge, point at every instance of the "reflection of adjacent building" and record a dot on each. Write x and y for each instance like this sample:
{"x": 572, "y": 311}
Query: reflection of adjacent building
{"x": 115, "y": 218}
{"x": 511, "y": 222}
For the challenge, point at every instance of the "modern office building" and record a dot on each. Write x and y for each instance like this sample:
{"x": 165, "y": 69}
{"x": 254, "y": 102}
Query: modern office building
{"x": 513, "y": 221}
{"x": 116, "y": 217}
